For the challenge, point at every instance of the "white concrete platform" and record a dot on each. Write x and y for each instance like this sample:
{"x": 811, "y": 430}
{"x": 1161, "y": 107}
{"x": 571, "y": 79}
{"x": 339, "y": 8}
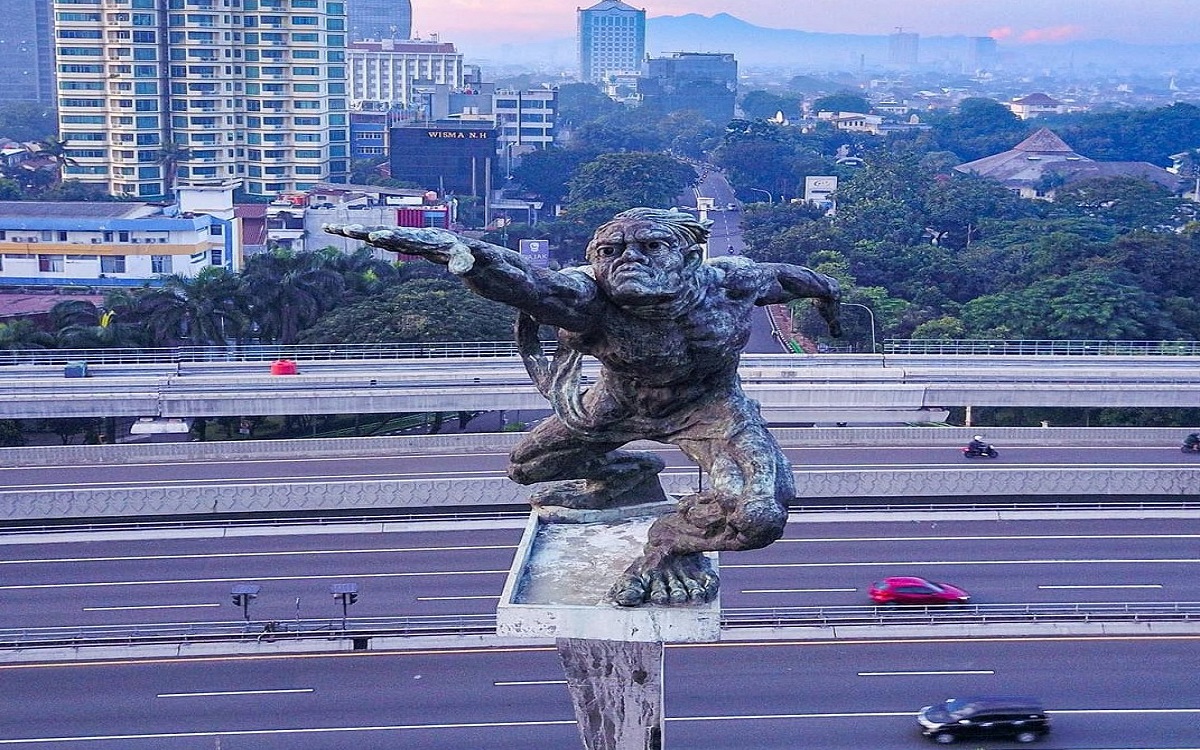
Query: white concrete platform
{"x": 560, "y": 578}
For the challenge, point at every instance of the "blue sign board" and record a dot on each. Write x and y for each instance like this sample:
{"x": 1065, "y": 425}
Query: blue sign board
{"x": 536, "y": 252}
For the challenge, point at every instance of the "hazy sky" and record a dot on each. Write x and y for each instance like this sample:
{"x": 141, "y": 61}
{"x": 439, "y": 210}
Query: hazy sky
{"x": 1013, "y": 21}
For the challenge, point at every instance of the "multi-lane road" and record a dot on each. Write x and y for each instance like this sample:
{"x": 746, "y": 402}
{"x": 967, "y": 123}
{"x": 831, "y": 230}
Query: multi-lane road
{"x": 427, "y": 569}
{"x": 416, "y": 466}
{"x": 1102, "y": 692}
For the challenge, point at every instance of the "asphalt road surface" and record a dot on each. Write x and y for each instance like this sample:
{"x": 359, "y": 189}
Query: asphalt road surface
{"x": 1100, "y": 693}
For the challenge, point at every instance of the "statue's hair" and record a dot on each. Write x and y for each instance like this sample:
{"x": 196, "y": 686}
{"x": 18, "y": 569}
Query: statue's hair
{"x": 689, "y": 230}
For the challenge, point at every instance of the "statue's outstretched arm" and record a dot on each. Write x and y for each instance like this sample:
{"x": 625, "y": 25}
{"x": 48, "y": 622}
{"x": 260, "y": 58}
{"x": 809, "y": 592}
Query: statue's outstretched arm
{"x": 793, "y": 282}
{"x": 489, "y": 270}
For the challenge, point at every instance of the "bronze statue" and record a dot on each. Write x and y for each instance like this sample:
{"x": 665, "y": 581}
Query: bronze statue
{"x": 668, "y": 328}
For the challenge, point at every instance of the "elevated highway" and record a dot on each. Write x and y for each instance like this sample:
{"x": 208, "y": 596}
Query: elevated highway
{"x": 824, "y": 387}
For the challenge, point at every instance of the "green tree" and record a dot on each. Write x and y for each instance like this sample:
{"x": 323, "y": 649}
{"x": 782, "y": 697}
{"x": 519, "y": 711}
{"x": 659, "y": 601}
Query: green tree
{"x": 979, "y": 127}
{"x": 1090, "y": 304}
{"x": 763, "y": 105}
{"x": 547, "y": 172}
{"x": 423, "y": 310}
{"x": 958, "y": 206}
{"x": 26, "y": 122}
{"x": 288, "y": 291}
{"x": 1126, "y": 203}
{"x": 633, "y": 179}
{"x": 169, "y": 156}
{"x": 203, "y": 310}
{"x": 23, "y": 334}
{"x": 579, "y": 103}
{"x": 842, "y": 101}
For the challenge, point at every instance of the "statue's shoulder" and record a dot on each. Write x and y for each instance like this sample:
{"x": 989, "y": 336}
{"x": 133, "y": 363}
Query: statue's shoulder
{"x": 734, "y": 271}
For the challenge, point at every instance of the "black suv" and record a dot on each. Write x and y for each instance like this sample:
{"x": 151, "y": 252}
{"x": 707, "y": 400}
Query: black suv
{"x": 984, "y": 717}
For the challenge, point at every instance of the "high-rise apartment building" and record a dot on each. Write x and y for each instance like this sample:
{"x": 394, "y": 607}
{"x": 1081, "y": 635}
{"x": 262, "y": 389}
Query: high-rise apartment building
{"x": 159, "y": 93}
{"x": 386, "y": 74}
{"x": 380, "y": 19}
{"x": 611, "y": 40}
{"x": 903, "y": 48}
{"x": 26, "y": 52}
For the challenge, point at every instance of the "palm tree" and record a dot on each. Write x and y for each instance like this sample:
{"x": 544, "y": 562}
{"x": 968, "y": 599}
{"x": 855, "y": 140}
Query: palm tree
{"x": 56, "y": 149}
{"x": 201, "y": 310}
{"x": 362, "y": 272}
{"x": 21, "y": 334}
{"x": 169, "y": 157}
{"x": 288, "y": 291}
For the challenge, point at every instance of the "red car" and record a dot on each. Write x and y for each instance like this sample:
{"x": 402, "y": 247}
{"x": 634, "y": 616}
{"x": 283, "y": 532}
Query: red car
{"x": 913, "y": 590}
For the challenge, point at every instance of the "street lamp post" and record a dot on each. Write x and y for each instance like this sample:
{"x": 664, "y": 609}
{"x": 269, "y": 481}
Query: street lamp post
{"x": 770, "y": 198}
{"x": 344, "y": 594}
{"x": 871, "y": 316}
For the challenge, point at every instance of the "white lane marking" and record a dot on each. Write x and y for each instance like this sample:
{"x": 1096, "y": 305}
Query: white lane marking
{"x": 312, "y": 730}
{"x": 212, "y": 693}
{"x": 147, "y": 606}
{"x": 175, "y": 582}
{"x": 986, "y": 538}
{"x": 520, "y": 683}
{"x": 278, "y": 553}
{"x": 456, "y": 598}
{"x": 546, "y": 723}
{"x": 931, "y": 672}
{"x": 900, "y": 563}
{"x": 797, "y": 591}
{"x": 1103, "y": 586}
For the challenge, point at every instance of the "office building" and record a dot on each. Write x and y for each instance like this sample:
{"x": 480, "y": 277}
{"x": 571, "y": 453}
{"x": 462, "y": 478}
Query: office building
{"x": 27, "y": 52}
{"x": 611, "y": 40}
{"x": 446, "y": 157}
{"x": 230, "y": 92}
{"x": 903, "y": 48}
{"x": 379, "y": 19}
{"x": 701, "y": 82}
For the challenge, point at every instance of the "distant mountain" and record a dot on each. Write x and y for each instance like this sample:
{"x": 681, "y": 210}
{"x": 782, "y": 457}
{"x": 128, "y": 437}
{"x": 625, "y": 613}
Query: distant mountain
{"x": 758, "y": 46}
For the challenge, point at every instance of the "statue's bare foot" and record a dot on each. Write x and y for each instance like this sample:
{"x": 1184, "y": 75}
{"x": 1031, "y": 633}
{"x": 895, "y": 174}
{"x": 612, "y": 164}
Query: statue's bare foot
{"x": 673, "y": 579}
{"x": 596, "y": 495}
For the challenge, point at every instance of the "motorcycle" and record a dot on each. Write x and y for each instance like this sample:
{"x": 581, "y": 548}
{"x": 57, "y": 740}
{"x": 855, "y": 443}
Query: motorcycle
{"x": 1190, "y": 448}
{"x": 986, "y": 451}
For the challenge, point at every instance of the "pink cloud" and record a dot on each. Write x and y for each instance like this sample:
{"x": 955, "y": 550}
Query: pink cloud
{"x": 1003, "y": 32}
{"x": 1050, "y": 34}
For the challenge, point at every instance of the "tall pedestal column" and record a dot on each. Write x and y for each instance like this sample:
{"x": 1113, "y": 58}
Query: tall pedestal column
{"x": 617, "y": 690}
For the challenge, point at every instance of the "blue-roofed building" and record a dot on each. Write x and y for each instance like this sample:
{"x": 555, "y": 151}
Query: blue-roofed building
{"x": 111, "y": 244}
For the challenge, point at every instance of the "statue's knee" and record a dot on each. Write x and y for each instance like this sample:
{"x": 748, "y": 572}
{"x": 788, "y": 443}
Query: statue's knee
{"x": 761, "y": 523}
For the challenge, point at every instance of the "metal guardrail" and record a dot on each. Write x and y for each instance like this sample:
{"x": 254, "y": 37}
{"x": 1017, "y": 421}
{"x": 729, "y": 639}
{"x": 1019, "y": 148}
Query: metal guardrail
{"x": 263, "y": 353}
{"x": 357, "y": 629}
{"x": 449, "y": 349}
{"x": 517, "y": 514}
{"x": 965, "y": 614}
{"x": 242, "y": 631}
{"x": 1038, "y": 346}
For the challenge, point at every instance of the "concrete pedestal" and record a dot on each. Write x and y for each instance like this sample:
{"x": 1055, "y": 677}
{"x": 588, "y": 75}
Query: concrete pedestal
{"x": 612, "y": 656}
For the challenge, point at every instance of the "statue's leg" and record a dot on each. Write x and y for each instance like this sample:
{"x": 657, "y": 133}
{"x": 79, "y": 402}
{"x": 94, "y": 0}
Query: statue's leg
{"x": 587, "y": 475}
{"x": 744, "y": 507}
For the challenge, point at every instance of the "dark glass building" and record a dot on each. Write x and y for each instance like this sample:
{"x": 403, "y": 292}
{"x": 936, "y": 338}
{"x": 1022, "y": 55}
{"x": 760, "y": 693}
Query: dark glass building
{"x": 27, "y": 52}
{"x": 379, "y": 19}
{"x": 449, "y": 157}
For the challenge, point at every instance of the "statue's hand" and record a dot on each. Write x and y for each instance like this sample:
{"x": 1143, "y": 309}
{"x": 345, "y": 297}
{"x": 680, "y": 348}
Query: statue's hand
{"x": 830, "y": 309}
{"x": 430, "y": 243}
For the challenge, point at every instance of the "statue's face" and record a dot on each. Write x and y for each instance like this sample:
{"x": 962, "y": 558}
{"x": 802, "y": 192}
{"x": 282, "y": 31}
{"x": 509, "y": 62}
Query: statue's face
{"x": 638, "y": 262}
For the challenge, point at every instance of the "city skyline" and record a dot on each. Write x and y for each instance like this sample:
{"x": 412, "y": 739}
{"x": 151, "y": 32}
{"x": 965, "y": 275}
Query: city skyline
{"x": 1009, "y": 21}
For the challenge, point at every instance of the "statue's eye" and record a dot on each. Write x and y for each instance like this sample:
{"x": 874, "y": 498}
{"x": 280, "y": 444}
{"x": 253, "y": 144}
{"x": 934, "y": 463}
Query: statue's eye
{"x": 656, "y": 245}
{"x": 608, "y": 251}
